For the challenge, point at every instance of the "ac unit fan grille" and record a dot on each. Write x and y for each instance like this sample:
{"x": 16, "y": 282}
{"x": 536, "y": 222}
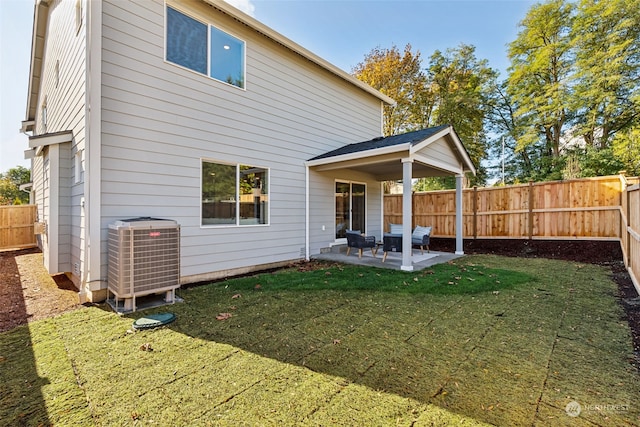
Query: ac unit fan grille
{"x": 143, "y": 261}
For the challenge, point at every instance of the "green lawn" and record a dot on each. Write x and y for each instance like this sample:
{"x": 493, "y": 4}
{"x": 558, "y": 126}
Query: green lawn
{"x": 484, "y": 339}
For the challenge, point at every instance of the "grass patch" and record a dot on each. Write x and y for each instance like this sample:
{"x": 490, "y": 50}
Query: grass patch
{"x": 453, "y": 278}
{"x": 344, "y": 345}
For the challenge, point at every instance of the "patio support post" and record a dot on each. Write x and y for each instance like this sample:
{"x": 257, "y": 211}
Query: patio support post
{"x": 459, "y": 218}
{"x": 407, "y": 214}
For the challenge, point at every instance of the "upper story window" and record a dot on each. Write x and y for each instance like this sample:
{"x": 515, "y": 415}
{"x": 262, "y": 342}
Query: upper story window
{"x": 204, "y": 48}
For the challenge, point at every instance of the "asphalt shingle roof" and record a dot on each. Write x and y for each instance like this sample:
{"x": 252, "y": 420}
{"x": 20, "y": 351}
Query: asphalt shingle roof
{"x": 382, "y": 142}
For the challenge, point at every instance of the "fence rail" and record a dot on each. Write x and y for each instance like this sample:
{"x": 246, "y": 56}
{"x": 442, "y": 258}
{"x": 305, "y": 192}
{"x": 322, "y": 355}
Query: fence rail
{"x": 16, "y": 226}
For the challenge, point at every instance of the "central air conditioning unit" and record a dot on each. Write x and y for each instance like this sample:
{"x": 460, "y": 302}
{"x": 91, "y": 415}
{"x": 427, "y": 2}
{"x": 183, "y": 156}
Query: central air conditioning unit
{"x": 144, "y": 259}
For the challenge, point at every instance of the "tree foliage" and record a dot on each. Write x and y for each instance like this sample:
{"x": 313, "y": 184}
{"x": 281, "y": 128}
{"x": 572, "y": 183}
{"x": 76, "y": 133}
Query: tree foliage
{"x": 568, "y": 107}
{"x": 573, "y": 86}
{"x": 453, "y": 89}
{"x": 10, "y": 182}
{"x": 399, "y": 76}
{"x": 541, "y": 63}
{"x": 606, "y": 38}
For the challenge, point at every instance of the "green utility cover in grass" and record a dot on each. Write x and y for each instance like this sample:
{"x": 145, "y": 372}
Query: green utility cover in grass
{"x": 154, "y": 320}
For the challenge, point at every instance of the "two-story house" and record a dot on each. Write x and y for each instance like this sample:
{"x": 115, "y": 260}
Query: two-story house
{"x": 196, "y": 112}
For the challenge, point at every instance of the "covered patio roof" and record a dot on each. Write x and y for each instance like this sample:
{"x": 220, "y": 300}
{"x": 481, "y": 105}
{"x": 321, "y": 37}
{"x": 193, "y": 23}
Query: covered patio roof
{"x": 436, "y": 151}
{"x": 431, "y": 152}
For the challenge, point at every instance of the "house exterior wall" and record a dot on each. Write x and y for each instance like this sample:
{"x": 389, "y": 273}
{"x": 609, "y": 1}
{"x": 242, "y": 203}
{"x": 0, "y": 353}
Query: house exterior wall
{"x": 322, "y": 206}
{"x": 62, "y": 91}
{"x": 160, "y": 120}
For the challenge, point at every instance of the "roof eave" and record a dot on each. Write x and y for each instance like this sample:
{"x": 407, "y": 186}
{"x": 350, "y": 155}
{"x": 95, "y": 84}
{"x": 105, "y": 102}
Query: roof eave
{"x": 40, "y": 19}
{"x": 358, "y": 155}
{"x": 293, "y": 46}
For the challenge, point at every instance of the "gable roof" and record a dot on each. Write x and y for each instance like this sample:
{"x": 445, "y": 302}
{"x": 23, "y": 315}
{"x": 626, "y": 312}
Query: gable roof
{"x": 382, "y": 142}
{"x": 259, "y": 27}
{"x": 382, "y": 156}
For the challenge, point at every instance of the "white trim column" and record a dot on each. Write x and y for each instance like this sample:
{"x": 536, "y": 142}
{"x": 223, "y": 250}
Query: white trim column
{"x": 53, "y": 213}
{"x": 459, "y": 215}
{"x": 407, "y": 214}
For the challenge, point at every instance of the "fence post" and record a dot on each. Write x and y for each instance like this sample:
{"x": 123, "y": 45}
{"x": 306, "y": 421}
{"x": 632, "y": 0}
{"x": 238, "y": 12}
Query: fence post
{"x": 530, "y": 210}
{"x": 627, "y": 262}
{"x": 475, "y": 212}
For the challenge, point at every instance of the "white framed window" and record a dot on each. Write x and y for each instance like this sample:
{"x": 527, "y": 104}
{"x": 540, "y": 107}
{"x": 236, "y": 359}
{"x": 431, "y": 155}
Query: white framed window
{"x": 234, "y": 194}
{"x": 203, "y": 48}
{"x": 79, "y": 167}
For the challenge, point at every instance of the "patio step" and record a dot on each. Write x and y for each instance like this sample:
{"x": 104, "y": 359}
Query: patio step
{"x": 335, "y": 249}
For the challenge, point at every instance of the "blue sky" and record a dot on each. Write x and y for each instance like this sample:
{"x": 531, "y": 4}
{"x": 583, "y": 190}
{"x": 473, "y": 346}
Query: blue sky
{"x": 340, "y": 31}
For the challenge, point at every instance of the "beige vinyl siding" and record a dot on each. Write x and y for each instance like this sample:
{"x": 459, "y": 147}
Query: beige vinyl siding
{"x": 322, "y": 206}
{"x": 65, "y": 95}
{"x": 160, "y": 120}
{"x": 441, "y": 152}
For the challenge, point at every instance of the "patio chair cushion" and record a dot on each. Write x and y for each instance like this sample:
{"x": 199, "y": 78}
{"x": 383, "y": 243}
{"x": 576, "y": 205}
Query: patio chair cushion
{"x": 395, "y": 228}
{"x": 420, "y": 235}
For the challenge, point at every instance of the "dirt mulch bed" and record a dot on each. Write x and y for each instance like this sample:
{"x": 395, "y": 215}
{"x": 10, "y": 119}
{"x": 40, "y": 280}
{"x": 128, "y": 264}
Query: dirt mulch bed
{"x": 28, "y": 292}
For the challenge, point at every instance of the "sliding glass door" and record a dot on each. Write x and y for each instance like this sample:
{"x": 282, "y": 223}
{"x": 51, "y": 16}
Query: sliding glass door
{"x": 350, "y": 201}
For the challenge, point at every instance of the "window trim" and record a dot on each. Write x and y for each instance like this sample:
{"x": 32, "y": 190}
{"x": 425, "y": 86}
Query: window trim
{"x": 237, "y": 165}
{"x": 209, "y": 25}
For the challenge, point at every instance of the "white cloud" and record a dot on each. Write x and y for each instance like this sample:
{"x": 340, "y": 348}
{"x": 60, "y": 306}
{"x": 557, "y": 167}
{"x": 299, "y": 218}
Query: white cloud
{"x": 244, "y": 5}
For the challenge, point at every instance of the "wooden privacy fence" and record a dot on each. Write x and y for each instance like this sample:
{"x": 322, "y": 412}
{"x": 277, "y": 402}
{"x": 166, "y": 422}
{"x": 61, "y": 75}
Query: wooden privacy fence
{"x": 16, "y": 226}
{"x": 630, "y": 240}
{"x": 577, "y": 209}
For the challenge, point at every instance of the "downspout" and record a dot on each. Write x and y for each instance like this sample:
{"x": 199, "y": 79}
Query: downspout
{"x": 306, "y": 213}
{"x": 91, "y": 205}
{"x": 85, "y": 200}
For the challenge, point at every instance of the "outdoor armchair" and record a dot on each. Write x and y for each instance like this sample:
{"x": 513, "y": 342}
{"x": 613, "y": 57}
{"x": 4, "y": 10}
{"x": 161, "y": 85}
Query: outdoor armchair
{"x": 420, "y": 237}
{"x": 356, "y": 240}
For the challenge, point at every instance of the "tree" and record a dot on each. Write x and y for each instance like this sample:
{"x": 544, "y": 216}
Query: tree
{"x": 10, "y": 182}
{"x": 541, "y": 64}
{"x": 626, "y": 148}
{"x": 461, "y": 86}
{"x": 399, "y": 76}
{"x": 454, "y": 90}
{"x": 606, "y": 36}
